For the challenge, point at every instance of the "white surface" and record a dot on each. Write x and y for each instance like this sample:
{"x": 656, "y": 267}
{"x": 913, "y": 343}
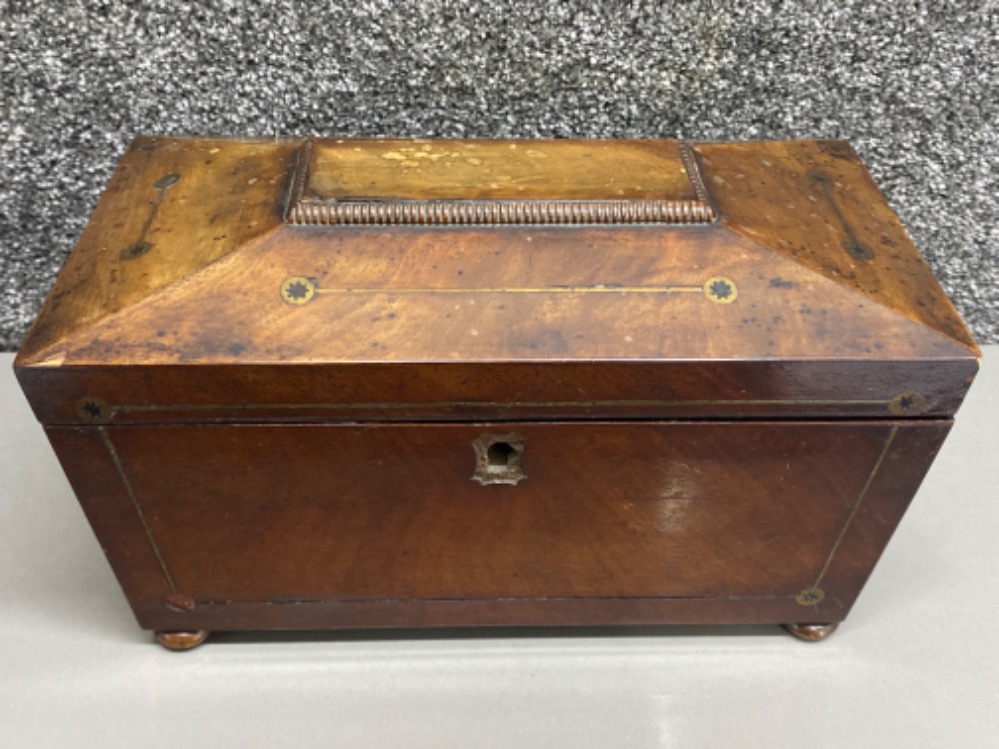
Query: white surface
{"x": 916, "y": 665}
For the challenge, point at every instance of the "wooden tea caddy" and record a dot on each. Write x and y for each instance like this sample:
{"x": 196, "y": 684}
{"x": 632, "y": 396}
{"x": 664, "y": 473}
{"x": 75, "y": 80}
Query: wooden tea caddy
{"x": 319, "y": 384}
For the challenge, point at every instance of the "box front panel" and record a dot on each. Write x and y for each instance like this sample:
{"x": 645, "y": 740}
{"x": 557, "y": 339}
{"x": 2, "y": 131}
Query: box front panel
{"x": 255, "y": 526}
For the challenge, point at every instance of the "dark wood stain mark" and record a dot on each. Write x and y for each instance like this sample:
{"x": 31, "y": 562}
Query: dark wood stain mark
{"x": 853, "y": 246}
{"x": 140, "y": 247}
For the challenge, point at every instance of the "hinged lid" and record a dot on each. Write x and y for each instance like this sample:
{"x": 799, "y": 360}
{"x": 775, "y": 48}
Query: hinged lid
{"x": 291, "y": 280}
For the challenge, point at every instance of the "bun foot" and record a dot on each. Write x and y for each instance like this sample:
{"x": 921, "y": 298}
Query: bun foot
{"x": 181, "y": 640}
{"x": 811, "y": 632}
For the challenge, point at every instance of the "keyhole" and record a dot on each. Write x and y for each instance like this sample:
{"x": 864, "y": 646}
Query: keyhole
{"x": 498, "y": 454}
{"x": 498, "y": 459}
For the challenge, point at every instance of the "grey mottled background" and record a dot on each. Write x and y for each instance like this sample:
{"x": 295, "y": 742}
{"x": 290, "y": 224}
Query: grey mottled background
{"x": 914, "y": 85}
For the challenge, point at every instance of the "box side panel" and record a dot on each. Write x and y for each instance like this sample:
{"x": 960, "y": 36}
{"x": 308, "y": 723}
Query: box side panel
{"x": 108, "y": 502}
{"x": 246, "y": 527}
{"x": 892, "y": 487}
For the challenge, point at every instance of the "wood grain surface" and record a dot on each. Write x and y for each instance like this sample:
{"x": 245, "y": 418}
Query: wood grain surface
{"x": 765, "y": 311}
{"x": 557, "y": 382}
{"x": 207, "y": 526}
{"x": 816, "y": 203}
{"x": 466, "y": 169}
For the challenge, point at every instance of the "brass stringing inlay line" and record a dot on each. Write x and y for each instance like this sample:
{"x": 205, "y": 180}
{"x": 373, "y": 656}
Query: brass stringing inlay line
{"x": 538, "y": 290}
{"x": 856, "y": 508}
{"x": 437, "y": 405}
{"x": 299, "y": 290}
{"x": 105, "y": 437}
{"x": 546, "y": 599}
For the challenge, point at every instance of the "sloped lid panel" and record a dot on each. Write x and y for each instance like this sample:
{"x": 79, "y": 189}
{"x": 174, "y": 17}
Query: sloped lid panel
{"x": 172, "y": 207}
{"x": 328, "y": 320}
{"x": 815, "y": 203}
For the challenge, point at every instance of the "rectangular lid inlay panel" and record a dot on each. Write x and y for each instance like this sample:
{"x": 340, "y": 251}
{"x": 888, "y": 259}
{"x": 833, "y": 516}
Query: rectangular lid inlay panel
{"x": 496, "y": 182}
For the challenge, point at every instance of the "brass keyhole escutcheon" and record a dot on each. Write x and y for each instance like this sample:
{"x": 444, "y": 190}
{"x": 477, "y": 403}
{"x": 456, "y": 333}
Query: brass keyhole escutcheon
{"x": 499, "y": 459}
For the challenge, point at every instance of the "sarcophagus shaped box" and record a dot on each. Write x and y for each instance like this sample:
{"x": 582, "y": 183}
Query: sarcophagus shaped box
{"x": 335, "y": 383}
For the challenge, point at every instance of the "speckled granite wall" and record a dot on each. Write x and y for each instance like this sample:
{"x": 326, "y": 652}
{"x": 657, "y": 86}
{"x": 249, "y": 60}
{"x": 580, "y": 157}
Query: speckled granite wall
{"x": 914, "y": 85}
